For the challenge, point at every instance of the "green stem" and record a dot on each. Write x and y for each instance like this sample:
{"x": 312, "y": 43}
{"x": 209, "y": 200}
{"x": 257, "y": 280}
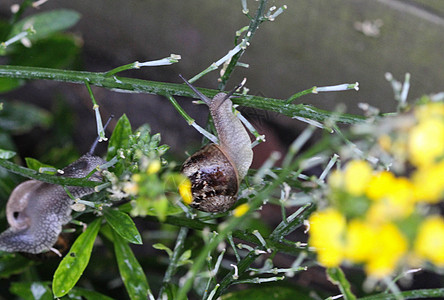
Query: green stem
{"x": 33, "y": 174}
{"x": 254, "y": 24}
{"x": 162, "y": 88}
{"x": 415, "y": 294}
{"x": 179, "y": 109}
{"x": 174, "y": 259}
{"x": 300, "y": 94}
{"x": 337, "y": 277}
{"x": 231, "y": 224}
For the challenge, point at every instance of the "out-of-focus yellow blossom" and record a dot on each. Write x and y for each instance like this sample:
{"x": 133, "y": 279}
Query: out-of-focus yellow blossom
{"x": 429, "y": 183}
{"x": 131, "y": 188}
{"x": 241, "y": 210}
{"x": 394, "y": 198}
{"x": 359, "y": 241}
{"x": 357, "y": 174}
{"x": 153, "y": 167}
{"x": 429, "y": 243}
{"x": 430, "y": 110}
{"x": 327, "y": 229}
{"x": 185, "y": 191}
{"x": 385, "y": 142}
{"x": 335, "y": 179}
{"x": 379, "y": 184}
{"x": 389, "y": 247}
{"x": 426, "y": 142}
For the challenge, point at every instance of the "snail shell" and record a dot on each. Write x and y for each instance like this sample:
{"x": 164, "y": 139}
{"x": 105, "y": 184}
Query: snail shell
{"x": 216, "y": 171}
{"x": 214, "y": 179}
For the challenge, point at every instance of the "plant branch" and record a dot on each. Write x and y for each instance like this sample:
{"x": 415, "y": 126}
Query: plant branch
{"x": 33, "y": 174}
{"x": 174, "y": 259}
{"x": 254, "y": 24}
{"x": 162, "y": 88}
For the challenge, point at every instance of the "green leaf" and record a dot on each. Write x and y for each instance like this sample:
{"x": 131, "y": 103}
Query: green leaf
{"x": 267, "y": 293}
{"x": 87, "y": 294}
{"x": 47, "y": 23}
{"x": 19, "y": 118}
{"x": 123, "y": 225}
{"x": 75, "y": 262}
{"x": 6, "y": 154}
{"x": 184, "y": 258}
{"x": 130, "y": 270}
{"x": 120, "y": 137}
{"x": 160, "y": 246}
{"x": 34, "y": 164}
{"x": 58, "y": 51}
{"x": 32, "y": 290}
{"x": 12, "y": 263}
{"x": 9, "y": 84}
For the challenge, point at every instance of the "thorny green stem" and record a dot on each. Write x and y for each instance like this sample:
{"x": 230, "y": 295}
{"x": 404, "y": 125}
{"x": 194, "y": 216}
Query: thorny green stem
{"x": 174, "y": 259}
{"x": 254, "y": 24}
{"x": 33, "y": 174}
{"x": 415, "y": 294}
{"x": 162, "y": 88}
{"x": 228, "y": 227}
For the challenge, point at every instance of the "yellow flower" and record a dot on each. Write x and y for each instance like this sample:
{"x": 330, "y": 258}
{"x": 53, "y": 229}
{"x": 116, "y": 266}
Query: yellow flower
{"x": 426, "y": 142}
{"x": 379, "y": 184}
{"x": 394, "y": 198}
{"x": 335, "y": 179}
{"x": 131, "y": 188}
{"x": 153, "y": 167}
{"x": 241, "y": 210}
{"x": 385, "y": 142}
{"x": 356, "y": 177}
{"x": 326, "y": 236}
{"x": 360, "y": 241}
{"x": 185, "y": 191}
{"x": 429, "y": 243}
{"x": 389, "y": 247}
{"x": 429, "y": 183}
{"x": 430, "y": 110}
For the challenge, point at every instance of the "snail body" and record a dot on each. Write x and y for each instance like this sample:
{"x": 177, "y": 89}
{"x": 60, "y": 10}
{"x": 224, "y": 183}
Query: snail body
{"x": 36, "y": 211}
{"x": 216, "y": 170}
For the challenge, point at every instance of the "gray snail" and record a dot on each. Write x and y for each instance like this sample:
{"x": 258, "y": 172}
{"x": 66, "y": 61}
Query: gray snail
{"x": 216, "y": 170}
{"x": 36, "y": 210}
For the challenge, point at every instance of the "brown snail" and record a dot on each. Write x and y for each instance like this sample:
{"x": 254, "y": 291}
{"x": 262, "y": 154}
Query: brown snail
{"x": 216, "y": 170}
{"x": 36, "y": 210}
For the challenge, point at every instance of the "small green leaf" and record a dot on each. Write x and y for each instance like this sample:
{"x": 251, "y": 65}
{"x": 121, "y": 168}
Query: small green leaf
{"x": 9, "y": 84}
{"x": 6, "y": 154}
{"x": 123, "y": 225}
{"x": 184, "y": 258}
{"x": 34, "y": 164}
{"x": 160, "y": 246}
{"x": 130, "y": 270}
{"x": 47, "y": 23}
{"x": 74, "y": 263}
{"x": 120, "y": 137}
{"x": 32, "y": 290}
{"x": 87, "y": 294}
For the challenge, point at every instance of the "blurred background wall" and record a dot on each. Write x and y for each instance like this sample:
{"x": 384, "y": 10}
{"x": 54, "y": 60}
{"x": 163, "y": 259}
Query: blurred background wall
{"x": 314, "y": 42}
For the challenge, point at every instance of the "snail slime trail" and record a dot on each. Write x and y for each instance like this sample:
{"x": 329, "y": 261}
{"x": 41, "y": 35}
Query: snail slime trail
{"x": 216, "y": 170}
{"x": 36, "y": 210}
